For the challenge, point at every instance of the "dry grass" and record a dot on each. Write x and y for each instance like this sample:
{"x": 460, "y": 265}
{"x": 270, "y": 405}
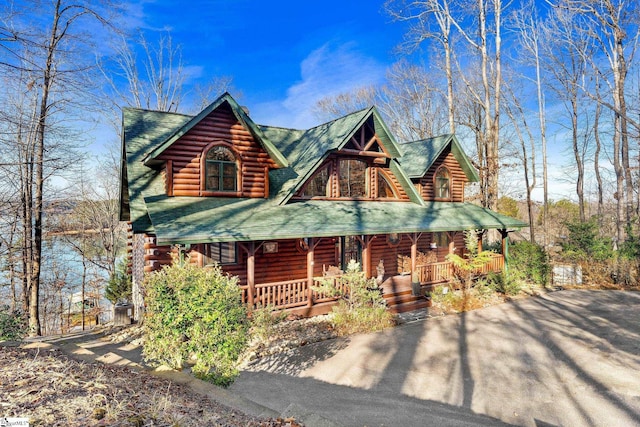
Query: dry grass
{"x": 52, "y": 389}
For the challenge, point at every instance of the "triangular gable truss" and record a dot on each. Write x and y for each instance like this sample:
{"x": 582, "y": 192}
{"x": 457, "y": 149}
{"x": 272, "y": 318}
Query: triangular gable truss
{"x": 242, "y": 117}
{"x": 380, "y": 144}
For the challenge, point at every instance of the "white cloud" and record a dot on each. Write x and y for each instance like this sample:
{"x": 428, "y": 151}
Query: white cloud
{"x": 329, "y": 70}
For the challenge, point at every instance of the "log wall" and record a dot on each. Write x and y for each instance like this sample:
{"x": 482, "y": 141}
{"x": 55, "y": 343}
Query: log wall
{"x": 184, "y": 158}
{"x": 458, "y": 178}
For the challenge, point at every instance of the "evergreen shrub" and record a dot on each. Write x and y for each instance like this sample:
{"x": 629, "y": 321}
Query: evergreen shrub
{"x": 195, "y": 315}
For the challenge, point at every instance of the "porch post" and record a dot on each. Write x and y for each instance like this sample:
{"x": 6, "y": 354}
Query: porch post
{"x": 479, "y": 236}
{"x": 414, "y": 253}
{"x": 505, "y": 248}
{"x": 366, "y": 255}
{"x": 310, "y": 264}
{"x": 251, "y": 272}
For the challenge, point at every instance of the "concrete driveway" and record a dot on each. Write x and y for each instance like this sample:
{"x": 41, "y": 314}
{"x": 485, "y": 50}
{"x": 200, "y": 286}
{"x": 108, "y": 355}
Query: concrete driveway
{"x": 569, "y": 358}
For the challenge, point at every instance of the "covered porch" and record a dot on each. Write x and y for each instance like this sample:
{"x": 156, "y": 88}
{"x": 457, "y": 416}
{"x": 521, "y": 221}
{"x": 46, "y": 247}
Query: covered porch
{"x": 300, "y": 297}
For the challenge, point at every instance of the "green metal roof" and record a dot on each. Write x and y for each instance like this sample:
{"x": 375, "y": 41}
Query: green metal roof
{"x": 146, "y": 134}
{"x": 419, "y": 156}
{"x": 142, "y": 130}
{"x": 200, "y": 220}
{"x": 240, "y": 115}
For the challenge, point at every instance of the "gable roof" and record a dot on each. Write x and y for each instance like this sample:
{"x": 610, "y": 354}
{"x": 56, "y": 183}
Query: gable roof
{"x": 141, "y": 131}
{"x": 242, "y": 117}
{"x": 420, "y": 155}
{"x": 147, "y": 134}
{"x": 307, "y": 150}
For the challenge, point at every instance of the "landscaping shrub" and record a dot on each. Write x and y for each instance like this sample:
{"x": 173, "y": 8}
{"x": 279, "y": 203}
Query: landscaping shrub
{"x": 529, "y": 261}
{"x": 264, "y": 320}
{"x": 195, "y": 315}
{"x": 13, "y": 325}
{"x": 362, "y": 308}
{"x": 506, "y": 283}
{"x": 583, "y": 242}
{"x": 119, "y": 286}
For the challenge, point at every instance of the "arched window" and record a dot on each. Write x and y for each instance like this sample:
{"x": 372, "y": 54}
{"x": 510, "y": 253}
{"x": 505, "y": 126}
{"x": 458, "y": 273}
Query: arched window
{"x": 443, "y": 183}
{"x": 385, "y": 189}
{"x": 318, "y": 185}
{"x": 221, "y": 170}
{"x": 353, "y": 182}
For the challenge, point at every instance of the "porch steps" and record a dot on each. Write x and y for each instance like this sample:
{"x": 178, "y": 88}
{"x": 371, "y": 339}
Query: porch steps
{"x": 402, "y": 301}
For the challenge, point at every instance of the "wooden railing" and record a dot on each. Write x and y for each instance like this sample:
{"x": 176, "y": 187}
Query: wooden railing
{"x": 442, "y": 272}
{"x": 295, "y": 293}
{"x": 290, "y": 293}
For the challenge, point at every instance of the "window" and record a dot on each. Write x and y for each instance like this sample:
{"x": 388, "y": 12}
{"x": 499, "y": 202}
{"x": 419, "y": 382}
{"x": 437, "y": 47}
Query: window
{"x": 441, "y": 239}
{"x": 220, "y": 253}
{"x": 353, "y": 181}
{"x": 443, "y": 183}
{"x": 385, "y": 189}
{"x": 319, "y": 185}
{"x": 220, "y": 169}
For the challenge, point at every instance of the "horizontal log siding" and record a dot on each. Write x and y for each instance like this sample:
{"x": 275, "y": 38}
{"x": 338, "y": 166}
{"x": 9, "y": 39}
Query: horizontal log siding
{"x": 289, "y": 263}
{"x": 457, "y": 176}
{"x": 381, "y": 250}
{"x": 155, "y": 256}
{"x": 184, "y": 179}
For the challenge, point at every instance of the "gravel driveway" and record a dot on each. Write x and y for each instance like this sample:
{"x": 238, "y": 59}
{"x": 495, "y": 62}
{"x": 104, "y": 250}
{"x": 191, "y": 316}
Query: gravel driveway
{"x": 568, "y": 358}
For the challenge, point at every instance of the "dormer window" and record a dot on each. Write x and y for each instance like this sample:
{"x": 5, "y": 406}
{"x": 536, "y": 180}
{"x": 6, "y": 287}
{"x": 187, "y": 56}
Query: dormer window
{"x": 443, "y": 183}
{"x": 221, "y": 170}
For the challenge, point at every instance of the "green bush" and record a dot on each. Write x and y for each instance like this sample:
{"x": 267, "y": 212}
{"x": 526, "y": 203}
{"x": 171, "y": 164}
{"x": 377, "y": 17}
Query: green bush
{"x": 529, "y": 261}
{"x": 584, "y": 243}
{"x": 264, "y": 321}
{"x": 361, "y": 308}
{"x": 119, "y": 285}
{"x": 13, "y": 325}
{"x": 195, "y": 315}
{"x": 506, "y": 283}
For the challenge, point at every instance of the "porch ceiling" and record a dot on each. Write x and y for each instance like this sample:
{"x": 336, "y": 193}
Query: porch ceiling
{"x": 201, "y": 220}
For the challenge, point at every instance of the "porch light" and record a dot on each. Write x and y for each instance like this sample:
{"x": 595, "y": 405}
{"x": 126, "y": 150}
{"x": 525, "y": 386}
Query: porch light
{"x": 433, "y": 245}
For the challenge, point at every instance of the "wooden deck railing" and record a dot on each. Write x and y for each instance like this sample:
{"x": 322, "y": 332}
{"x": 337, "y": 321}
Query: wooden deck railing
{"x": 442, "y": 272}
{"x": 295, "y": 293}
{"x": 290, "y": 293}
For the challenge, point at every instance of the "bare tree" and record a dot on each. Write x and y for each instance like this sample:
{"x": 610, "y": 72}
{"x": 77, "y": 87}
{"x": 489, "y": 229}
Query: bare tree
{"x": 531, "y": 34}
{"x": 154, "y": 81}
{"x": 425, "y": 16}
{"x": 612, "y": 27}
{"x": 45, "y": 56}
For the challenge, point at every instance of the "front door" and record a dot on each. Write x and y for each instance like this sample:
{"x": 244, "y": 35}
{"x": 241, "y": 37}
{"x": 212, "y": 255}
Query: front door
{"x": 351, "y": 249}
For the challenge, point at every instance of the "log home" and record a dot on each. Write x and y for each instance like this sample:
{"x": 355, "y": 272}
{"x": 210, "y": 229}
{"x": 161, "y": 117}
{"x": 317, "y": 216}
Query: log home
{"x": 280, "y": 208}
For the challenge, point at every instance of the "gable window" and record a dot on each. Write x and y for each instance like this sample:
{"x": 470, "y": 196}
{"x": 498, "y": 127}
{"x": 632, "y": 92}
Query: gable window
{"x": 385, "y": 189}
{"x": 319, "y": 184}
{"x": 443, "y": 183}
{"x": 221, "y": 170}
{"x": 220, "y": 253}
{"x": 353, "y": 181}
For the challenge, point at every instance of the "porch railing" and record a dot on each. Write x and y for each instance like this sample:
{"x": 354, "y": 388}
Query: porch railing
{"x": 442, "y": 272}
{"x": 295, "y": 293}
{"x": 291, "y": 293}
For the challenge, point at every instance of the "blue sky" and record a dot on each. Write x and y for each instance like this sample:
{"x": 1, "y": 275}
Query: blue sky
{"x": 283, "y": 55}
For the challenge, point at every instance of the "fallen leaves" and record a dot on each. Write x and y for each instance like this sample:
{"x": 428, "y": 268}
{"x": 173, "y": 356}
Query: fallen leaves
{"x": 52, "y": 389}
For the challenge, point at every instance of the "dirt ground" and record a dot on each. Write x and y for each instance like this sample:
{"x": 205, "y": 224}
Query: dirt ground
{"x": 51, "y": 389}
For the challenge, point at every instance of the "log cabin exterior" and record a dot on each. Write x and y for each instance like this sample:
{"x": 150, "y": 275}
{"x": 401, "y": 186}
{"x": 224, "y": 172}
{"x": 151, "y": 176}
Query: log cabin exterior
{"x": 281, "y": 208}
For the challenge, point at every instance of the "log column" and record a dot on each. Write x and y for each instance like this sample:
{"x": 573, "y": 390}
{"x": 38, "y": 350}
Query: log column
{"x": 310, "y": 266}
{"x": 251, "y": 272}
